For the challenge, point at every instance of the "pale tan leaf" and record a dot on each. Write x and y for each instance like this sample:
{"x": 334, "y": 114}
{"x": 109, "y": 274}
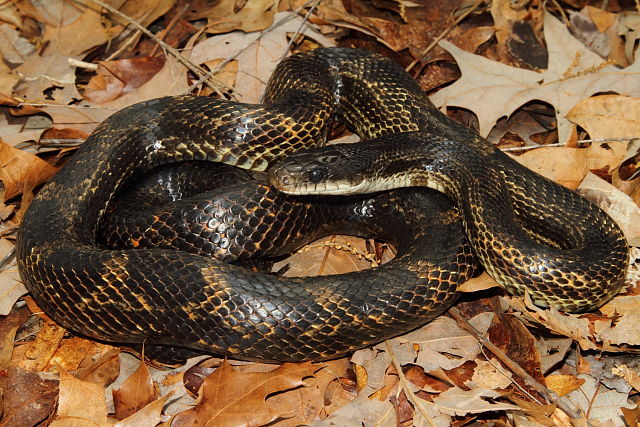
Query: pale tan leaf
{"x": 81, "y": 403}
{"x": 254, "y": 15}
{"x": 11, "y": 287}
{"x": 14, "y": 49}
{"x": 600, "y": 402}
{"x": 574, "y": 73}
{"x": 362, "y": 411}
{"x": 456, "y": 401}
{"x": 608, "y": 116}
{"x": 255, "y": 64}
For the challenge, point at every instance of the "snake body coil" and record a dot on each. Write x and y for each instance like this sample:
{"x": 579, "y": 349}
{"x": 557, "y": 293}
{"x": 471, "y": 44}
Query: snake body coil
{"x": 175, "y": 298}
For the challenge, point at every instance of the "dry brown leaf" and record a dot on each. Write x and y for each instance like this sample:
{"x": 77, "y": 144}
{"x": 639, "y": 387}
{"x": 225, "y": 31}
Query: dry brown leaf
{"x": 135, "y": 393}
{"x": 71, "y": 353}
{"x": 480, "y": 283}
{"x": 563, "y": 384}
{"x": 308, "y": 402}
{"x": 14, "y": 49}
{"x": 104, "y": 370}
{"x": 573, "y": 326}
{"x": 504, "y": 15}
{"x": 630, "y": 375}
{"x": 28, "y": 398}
{"x": 20, "y": 170}
{"x": 608, "y": 116}
{"x": 8, "y": 327}
{"x": 330, "y": 255}
{"x": 41, "y": 73}
{"x": 226, "y": 16}
{"x": 42, "y": 349}
{"x": 362, "y": 411}
{"x": 115, "y": 78}
{"x": 230, "y": 398}
{"x": 617, "y": 204}
{"x": 170, "y": 80}
{"x": 80, "y": 403}
{"x": 568, "y": 166}
{"x": 574, "y": 73}
{"x": 74, "y": 28}
{"x": 150, "y": 415}
{"x": 602, "y": 403}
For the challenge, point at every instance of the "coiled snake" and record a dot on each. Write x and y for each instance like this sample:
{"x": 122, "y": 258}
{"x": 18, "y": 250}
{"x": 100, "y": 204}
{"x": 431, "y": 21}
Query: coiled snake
{"x": 175, "y": 298}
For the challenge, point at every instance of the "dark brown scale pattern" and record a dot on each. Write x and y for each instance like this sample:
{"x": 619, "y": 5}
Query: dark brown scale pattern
{"x": 532, "y": 235}
{"x": 176, "y": 298}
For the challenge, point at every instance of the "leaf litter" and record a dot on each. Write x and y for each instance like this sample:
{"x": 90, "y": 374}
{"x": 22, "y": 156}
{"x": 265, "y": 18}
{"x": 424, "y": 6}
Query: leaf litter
{"x": 69, "y": 65}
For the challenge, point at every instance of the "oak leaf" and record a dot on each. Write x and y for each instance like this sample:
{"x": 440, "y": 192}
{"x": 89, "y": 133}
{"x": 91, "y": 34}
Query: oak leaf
{"x": 260, "y": 52}
{"x": 231, "y": 398}
{"x": 80, "y": 402}
{"x": 574, "y": 73}
{"x": 608, "y": 116}
{"x": 20, "y": 170}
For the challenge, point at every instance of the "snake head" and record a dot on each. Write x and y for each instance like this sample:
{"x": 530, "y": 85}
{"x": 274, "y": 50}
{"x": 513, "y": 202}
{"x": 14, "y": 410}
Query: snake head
{"x": 324, "y": 170}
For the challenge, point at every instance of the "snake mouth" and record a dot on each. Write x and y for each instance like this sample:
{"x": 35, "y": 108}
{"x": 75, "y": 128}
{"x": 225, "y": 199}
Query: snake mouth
{"x": 292, "y": 179}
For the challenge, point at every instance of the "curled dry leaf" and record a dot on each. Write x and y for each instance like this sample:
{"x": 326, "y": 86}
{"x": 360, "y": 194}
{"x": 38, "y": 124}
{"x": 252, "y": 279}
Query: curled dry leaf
{"x": 11, "y": 287}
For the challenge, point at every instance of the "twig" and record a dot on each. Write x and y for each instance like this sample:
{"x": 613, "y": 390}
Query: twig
{"x": 531, "y": 147}
{"x": 418, "y": 403}
{"x": 221, "y": 65}
{"x": 170, "y": 50}
{"x": 124, "y": 46}
{"x": 443, "y": 34}
{"x": 630, "y": 139}
{"x": 548, "y": 394}
{"x": 302, "y": 24}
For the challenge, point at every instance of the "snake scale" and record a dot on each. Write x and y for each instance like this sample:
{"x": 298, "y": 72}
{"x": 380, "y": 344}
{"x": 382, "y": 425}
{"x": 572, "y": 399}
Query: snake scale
{"x": 175, "y": 298}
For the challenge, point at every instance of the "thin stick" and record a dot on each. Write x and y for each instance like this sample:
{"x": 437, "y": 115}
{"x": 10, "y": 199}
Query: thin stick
{"x": 443, "y": 34}
{"x": 548, "y": 394}
{"x": 418, "y": 403}
{"x": 170, "y": 50}
{"x": 302, "y": 24}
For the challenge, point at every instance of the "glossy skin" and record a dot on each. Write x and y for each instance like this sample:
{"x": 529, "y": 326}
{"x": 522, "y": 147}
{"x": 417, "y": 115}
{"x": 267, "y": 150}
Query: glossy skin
{"x": 532, "y": 235}
{"x": 173, "y": 298}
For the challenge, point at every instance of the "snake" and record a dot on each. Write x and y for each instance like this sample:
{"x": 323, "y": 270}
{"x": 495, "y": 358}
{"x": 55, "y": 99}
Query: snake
{"x": 532, "y": 236}
{"x": 175, "y": 298}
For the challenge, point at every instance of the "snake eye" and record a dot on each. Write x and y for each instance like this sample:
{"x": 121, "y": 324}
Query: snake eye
{"x": 317, "y": 175}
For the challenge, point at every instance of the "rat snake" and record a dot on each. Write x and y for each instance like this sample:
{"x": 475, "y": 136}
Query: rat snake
{"x": 175, "y": 298}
